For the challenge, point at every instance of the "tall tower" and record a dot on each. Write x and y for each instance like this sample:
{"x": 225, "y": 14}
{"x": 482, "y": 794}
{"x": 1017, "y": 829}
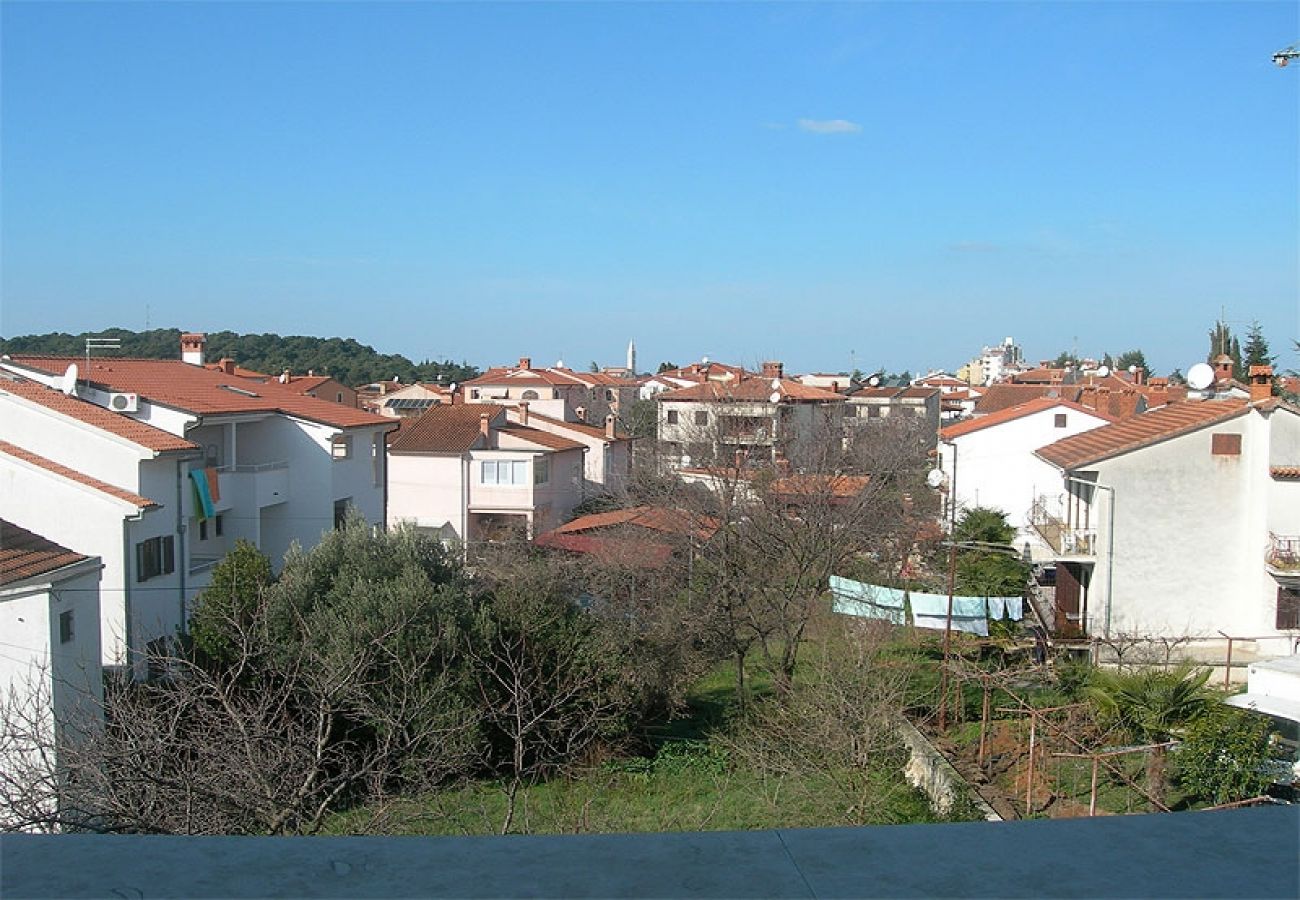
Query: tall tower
{"x": 631, "y": 356}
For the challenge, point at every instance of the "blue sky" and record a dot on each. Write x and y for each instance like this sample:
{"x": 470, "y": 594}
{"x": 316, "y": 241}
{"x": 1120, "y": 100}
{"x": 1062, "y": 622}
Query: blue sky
{"x": 883, "y": 185}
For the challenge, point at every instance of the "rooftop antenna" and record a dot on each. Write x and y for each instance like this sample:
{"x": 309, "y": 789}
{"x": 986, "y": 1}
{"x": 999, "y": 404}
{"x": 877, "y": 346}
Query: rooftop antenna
{"x": 100, "y": 343}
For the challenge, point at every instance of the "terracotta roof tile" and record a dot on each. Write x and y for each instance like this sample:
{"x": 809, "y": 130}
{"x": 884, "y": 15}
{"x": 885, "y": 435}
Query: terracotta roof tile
{"x": 580, "y": 427}
{"x": 1285, "y": 473}
{"x": 1011, "y": 413}
{"x": 654, "y": 518}
{"x": 25, "y": 555}
{"x": 541, "y": 438}
{"x": 446, "y": 428}
{"x": 750, "y": 390}
{"x": 998, "y": 397}
{"x": 1139, "y": 431}
{"x": 72, "y": 475}
{"x": 136, "y": 432}
{"x": 199, "y": 390}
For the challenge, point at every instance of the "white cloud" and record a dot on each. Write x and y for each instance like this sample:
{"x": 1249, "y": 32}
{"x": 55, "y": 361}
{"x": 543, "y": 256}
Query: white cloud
{"x": 829, "y": 126}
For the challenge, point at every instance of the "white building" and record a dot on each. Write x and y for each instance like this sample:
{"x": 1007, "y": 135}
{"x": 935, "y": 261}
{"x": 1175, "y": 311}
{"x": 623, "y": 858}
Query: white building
{"x": 608, "y": 451}
{"x": 136, "y": 447}
{"x": 468, "y": 473}
{"x": 1183, "y": 521}
{"x": 555, "y": 391}
{"x": 990, "y": 461}
{"x": 757, "y": 418}
{"x": 51, "y": 683}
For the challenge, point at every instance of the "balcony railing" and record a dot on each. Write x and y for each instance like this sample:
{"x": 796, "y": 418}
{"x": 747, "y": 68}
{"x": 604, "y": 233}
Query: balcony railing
{"x": 1284, "y": 552}
{"x": 1062, "y": 538}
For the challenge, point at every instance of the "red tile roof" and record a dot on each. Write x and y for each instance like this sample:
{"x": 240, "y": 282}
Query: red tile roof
{"x": 622, "y": 551}
{"x": 447, "y": 428}
{"x": 1286, "y": 473}
{"x": 72, "y": 475}
{"x": 1011, "y": 413}
{"x": 25, "y": 555}
{"x": 839, "y": 487}
{"x": 136, "y": 432}
{"x": 654, "y": 518}
{"x": 750, "y": 390}
{"x": 1139, "y": 431}
{"x": 199, "y": 390}
{"x": 998, "y": 397}
{"x": 899, "y": 393}
{"x": 540, "y": 438}
{"x": 580, "y": 427}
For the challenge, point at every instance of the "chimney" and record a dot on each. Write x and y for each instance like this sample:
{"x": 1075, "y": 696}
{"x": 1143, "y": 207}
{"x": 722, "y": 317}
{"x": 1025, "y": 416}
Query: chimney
{"x": 581, "y": 413}
{"x": 525, "y": 362}
{"x": 227, "y": 365}
{"x": 773, "y": 369}
{"x": 285, "y": 376}
{"x": 609, "y": 427}
{"x": 484, "y": 425}
{"x": 1088, "y": 396}
{"x": 1222, "y": 367}
{"x": 835, "y": 386}
{"x": 192, "y": 347}
{"x": 1139, "y": 376}
{"x": 523, "y": 412}
{"x": 1261, "y": 383}
{"x": 1157, "y": 391}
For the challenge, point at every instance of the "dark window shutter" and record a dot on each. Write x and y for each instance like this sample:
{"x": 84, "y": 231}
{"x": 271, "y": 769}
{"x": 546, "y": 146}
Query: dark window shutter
{"x": 1288, "y": 608}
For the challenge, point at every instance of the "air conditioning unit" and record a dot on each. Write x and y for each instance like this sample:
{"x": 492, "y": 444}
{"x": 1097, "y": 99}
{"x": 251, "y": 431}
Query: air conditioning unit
{"x": 124, "y": 402}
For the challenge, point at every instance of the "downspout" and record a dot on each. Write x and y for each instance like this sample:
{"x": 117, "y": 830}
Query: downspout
{"x": 128, "y": 638}
{"x": 181, "y": 565}
{"x": 1110, "y": 544}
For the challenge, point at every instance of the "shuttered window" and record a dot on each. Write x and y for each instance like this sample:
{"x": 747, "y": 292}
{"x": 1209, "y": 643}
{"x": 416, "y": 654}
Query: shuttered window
{"x": 1288, "y": 608}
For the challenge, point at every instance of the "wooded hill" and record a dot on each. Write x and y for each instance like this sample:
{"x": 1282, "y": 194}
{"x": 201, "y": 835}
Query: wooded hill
{"x": 344, "y": 359}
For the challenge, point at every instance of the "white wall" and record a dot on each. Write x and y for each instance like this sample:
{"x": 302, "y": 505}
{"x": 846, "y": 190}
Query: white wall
{"x": 428, "y": 490}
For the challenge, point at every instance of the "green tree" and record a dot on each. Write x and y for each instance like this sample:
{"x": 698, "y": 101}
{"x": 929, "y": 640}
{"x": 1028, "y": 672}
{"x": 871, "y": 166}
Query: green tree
{"x": 984, "y": 524}
{"x": 227, "y": 606}
{"x": 1151, "y": 705}
{"x": 1065, "y": 359}
{"x": 988, "y": 572}
{"x": 666, "y": 367}
{"x": 1222, "y": 341}
{"x": 1226, "y": 755}
{"x": 1131, "y": 358}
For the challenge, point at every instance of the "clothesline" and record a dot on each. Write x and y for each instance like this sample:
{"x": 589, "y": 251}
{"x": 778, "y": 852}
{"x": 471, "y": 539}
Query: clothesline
{"x": 874, "y": 601}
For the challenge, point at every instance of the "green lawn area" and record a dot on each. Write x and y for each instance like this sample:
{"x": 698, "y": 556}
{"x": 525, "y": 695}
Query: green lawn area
{"x": 690, "y": 783}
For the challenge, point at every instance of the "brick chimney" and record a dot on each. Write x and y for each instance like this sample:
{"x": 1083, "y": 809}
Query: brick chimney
{"x": 484, "y": 425}
{"x": 1261, "y": 383}
{"x": 1157, "y": 391}
{"x": 227, "y": 365}
{"x": 523, "y": 412}
{"x": 525, "y": 362}
{"x": 1222, "y": 367}
{"x": 1139, "y": 376}
{"x": 581, "y": 413}
{"x": 773, "y": 369}
{"x": 609, "y": 427}
{"x": 192, "y": 344}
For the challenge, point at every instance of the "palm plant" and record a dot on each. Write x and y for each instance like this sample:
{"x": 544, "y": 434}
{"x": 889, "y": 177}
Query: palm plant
{"x": 1152, "y": 705}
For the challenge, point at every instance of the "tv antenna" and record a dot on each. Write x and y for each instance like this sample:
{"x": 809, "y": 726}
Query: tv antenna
{"x": 100, "y": 343}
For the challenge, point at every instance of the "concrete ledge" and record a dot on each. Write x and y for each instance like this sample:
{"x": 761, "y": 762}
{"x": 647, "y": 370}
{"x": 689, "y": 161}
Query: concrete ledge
{"x": 930, "y": 771}
{"x": 1230, "y": 853}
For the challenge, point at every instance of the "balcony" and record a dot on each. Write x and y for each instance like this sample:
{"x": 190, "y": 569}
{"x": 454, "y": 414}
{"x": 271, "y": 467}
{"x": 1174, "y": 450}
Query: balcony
{"x": 261, "y": 484}
{"x": 1283, "y": 559}
{"x": 1067, "y": 541}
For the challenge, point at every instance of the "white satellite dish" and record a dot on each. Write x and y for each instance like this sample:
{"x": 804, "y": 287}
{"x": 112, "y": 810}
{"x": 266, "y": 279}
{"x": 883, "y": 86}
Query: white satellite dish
{"x": 1132, "y": 370}
{"x": 1200, "y": 376}
{"x": 776, "y": 384}
{"x": 934, "y": 478}
{"x": 704, "y": 360}
{"x": 70, "y": 380}
{"x": 1103, "y": 371}
{"x": 874, "y": 381}
{"x": 774, "y": 397}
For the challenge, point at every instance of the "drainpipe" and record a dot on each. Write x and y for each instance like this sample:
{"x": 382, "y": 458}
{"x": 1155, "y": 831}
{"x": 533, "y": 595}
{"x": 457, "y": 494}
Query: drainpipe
{"x": 1110, "y": 544}
{"x": 128, "y": 639}
{"x": 181, "y": 565}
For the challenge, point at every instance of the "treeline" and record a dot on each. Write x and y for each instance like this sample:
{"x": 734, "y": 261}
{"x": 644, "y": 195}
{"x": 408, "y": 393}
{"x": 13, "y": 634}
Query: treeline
{"x": 344, "y": 359}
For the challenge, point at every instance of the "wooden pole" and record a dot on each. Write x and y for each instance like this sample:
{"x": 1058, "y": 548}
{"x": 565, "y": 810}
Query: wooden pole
{"x": 1029, "y": 779}
{"x": 1092, "y": 795}
{"x": 984, "y": 720}
{"x": 1227, "y": 668}
{"x": 947, "y": 635}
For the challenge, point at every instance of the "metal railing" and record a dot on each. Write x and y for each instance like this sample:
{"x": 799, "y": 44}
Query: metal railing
{"x": 1284, "y": 552}
{"x": 1058, "y": 534}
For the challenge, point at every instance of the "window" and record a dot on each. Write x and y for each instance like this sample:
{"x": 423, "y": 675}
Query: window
{"x": 528, "y": 395}
{"x": 1225, "y": 444}
{"x": 473, "y": 393}
{"x": 504, "y": 471}
{"x": 155, "y": 557}
{"x": 1288, "y": 608}
{"x": 541, "y": 470}
{"x": 341, "y": 512}
{"x": 672, "y": 417}
{"x": 377, "y": 459}
{"x": 701, "y": 417}
{"x": 609, "y": 395}
{"x": 873, "y": 412}
{"x": 1060, "y": 420}
{"x": 203, "y": 530}
{"x": 339, "y": 398}
{"x": 216, "y": 525}
{"x": 918, "y": 411}
{"x": 65, "y": 627}
{"x": 341, "y": 447}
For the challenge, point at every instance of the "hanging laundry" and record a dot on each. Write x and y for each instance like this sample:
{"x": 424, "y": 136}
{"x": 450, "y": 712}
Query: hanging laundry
{"x": 203, "y": 506}
{"x": 931, "y": 611}
{"x": 871, "y": 601}
{"x": 214, "y": 487}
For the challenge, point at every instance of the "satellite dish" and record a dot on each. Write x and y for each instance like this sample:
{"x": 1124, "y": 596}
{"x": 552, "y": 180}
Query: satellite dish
{"x": 1132, "y": 369}
{"x": 70, "y": 380}
{"x": 686, "y": 459}
{"x": 1200, "y": 376}
{"x": 776, "y": 384}
{"x": 1103, "y": 371}
{"x": 704, "y": 360}
{"x": 874, "y": 381}
{"x": 774, "y": 397}
{"x": 934, "y": 478}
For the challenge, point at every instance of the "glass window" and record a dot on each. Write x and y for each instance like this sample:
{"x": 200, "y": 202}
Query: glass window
{"x": 65, "y": 627}
{"x": 489, "y": 471}
{"x": 672, "y": 417}
{"x": 528, "y": 395}
{"x": 541, "y": 470}
{"x": 518, "y": 472}
{"x": 341, "y": 447}
{"x": 155, "y": 557}
{"x": 1060, "y": 420}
